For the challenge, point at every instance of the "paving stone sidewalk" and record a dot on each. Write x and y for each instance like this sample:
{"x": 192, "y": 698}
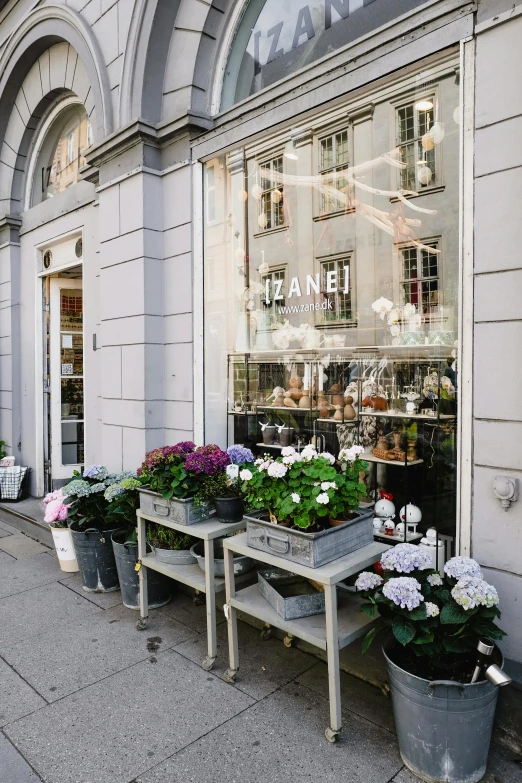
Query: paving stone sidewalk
{"x": 86, "y": 698}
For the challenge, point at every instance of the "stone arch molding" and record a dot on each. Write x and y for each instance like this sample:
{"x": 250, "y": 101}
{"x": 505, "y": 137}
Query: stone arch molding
{"x": 51, "y": 52}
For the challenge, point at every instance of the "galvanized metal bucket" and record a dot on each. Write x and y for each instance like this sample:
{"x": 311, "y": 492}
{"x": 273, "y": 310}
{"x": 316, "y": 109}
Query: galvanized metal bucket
{"x": 443, "y": 727}
{"x": 126, "y": 556}
{"x": 96, "y": 561}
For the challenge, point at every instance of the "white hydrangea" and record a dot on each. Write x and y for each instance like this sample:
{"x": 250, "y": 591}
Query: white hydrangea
{"x": 323, "y": 499}
{"x": 245, "y": 475}
{"x": 432, "y": 610}
{"x": 277, "y": 470}
{"x": 471, "y": 591}
{"x": 296, "y": 498}
{"x": 435, "y": 580}
{"x": 326, "y": 485}
{"x": 368, "y": 581}
{"x": 459, "y": 567}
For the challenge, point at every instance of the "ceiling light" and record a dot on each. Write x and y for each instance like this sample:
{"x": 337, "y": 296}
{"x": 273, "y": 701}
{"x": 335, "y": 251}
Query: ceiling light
{"x": 424, "y": 105}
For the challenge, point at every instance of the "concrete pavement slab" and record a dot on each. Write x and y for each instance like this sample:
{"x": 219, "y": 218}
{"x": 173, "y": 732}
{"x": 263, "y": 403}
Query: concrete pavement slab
{"x": 182, "y": 608}
{"x": 4, "y": 533}
{"x": 26, "y": 615}
{"x": 6, "y": 529}
{"x": 28, "y": 573}
{"x": 112, "y": 731}
{"x": 17, "y": 697}
{"x": 105, "y": 600}
{"x": 13, "y": 766}
{"x": 21, "y": 546}
{"x": 279, "y": 739}
{"x": 502, "y": 768}
{"x": 357, "y": 696}
{"x": 68, "y": 658}
{"x": 264, "y": 666}
{"x": 5, "y": 558}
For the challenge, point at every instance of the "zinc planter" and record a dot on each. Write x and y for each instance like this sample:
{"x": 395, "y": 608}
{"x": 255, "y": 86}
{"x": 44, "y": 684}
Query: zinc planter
{"x": 242, "y": 564}
{"x": 126, "y": 556}
{"x": 64, "y": 546}
{"x": 310, "y": 549}
{"x": 174, "y": 557}
{"x": 443, "y": 727}
{"x": 183, "y": 512}
{"x": 229, "y": 509}
{"x": 96, "y": 561}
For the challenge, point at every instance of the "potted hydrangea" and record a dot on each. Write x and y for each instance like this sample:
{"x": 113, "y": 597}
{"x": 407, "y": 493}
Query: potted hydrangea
{"x": 443, "y": 719}
{"x": 223, "y": 490}
{"x": 171, "y": 477}
{"x": 297, "y": 496}
{"x": 92, "y": 525}
{"x": 56, "y": 513}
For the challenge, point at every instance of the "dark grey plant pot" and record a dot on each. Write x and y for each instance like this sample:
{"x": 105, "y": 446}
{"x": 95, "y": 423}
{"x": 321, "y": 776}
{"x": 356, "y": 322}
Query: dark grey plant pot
{"x": 229, "y": 509}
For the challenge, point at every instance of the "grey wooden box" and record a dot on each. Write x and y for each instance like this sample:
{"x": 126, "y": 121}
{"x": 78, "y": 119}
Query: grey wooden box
{"x": 182, "y": 512}
{"x": 275, "y": 582}
{"x": 310, "y": 549}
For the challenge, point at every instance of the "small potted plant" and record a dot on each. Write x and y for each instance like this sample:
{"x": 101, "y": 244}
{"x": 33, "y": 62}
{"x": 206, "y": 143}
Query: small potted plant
{"x": 56, "y": 513}
{"x": 92, "y": 526}
{"x": 223, "y": 490}
{"x": 296, "y": 495}
{"x": 171, "y": 477}
{"x": 443, "y": 703}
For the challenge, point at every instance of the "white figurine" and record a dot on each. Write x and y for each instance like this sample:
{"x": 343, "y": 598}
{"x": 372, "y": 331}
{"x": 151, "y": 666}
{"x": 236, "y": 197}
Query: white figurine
{"x": 412, "y": 516}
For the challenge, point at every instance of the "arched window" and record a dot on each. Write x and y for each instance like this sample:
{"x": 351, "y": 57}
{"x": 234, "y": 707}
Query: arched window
{"x": 58, "y": 154}
{"x": 275, "y": 38}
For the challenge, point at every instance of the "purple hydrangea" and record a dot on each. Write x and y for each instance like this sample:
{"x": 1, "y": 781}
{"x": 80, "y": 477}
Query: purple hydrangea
{"x": 368, "y": 581}
{"x": 209, "y": 460}
{"x": 405, "y": 558}
{"x": 98, "y": 472}
{"x": 458, "y": 567}
{"x": 239, "y": 455}
{"x": 404, "y": 591}
{"x": 471, "y": 591}
{"x": 166, "y": 455}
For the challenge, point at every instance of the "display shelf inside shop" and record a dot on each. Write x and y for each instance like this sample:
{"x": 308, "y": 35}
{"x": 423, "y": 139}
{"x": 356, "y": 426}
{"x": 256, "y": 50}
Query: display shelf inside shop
{"x": 398, "y": 463}
{"x": 352, "y": 622}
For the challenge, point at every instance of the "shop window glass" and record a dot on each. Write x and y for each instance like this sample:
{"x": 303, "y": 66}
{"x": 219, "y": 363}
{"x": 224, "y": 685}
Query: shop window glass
{"x": 275, "y": 38}
{"x": 342, "y": 324}
{"x": 61, "y": 157}
{"x": 333, "y": 161}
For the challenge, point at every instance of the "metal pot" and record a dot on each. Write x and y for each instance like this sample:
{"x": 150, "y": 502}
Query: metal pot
{"x": 443, "y": 727}
{"x": 242, "y": 564}
{"x": 96, "y": 561}
{"x": 126, "y": 555}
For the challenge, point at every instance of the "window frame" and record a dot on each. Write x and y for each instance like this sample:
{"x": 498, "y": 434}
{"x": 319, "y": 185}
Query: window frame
{"x": 337, "y": 258}
{"x": 431, "y": 317}
{"x": 324, "y": 132}
{"x": 269, "y": 159}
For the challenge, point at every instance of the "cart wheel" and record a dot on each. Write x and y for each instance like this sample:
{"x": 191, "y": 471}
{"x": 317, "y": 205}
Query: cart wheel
{"x": 266, "y": 633}
{"x": 208, "y": 663}
{"x": 331, "y": 735}
{"x": 288, "y": 640}
{"x": 142, "y": 624}
{"x": 198, "y": 600}
{"x": 230, "y": 675}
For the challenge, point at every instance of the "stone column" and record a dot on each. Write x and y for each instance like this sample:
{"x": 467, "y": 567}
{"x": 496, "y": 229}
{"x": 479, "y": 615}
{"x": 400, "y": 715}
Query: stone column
{"x": 10, "y": 422}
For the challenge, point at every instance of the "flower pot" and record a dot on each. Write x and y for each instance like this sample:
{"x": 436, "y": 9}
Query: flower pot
{"x": 310, "y": 549}
{"x": 64, "y": 546}
{"x": 229, "y": 509}
{"x": 183, "y": 512}
{"x": 174, "y": 557}
{"x": 96, "y": 561}
{"x": 269, "y": 434}
{"x": 126, "y": 555}
{"x": 285, "y": 436}
{"x": 242, "y": 564}
{"x": 443, "y": 727}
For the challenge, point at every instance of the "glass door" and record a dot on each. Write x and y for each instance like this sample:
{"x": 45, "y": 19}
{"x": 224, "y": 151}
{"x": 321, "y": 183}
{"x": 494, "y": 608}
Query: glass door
{"x": 67, "y": 415}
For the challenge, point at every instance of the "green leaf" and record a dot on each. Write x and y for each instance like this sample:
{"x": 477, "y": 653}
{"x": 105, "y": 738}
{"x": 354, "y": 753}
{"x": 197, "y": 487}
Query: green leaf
{"x": 458, "y": 645}
{"x": 425, "y": 638}
{"x": 403, "y": 630}
{"x": 370, "y": 636}
{"x": 445, "y": 596}
{"x": 419, "y": 613}
{"x": 368, "y": 609}
{"x": 454, "y": 614}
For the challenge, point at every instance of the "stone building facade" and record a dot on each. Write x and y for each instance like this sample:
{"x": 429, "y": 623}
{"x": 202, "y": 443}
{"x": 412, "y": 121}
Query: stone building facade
{"x": 152, "y": 80}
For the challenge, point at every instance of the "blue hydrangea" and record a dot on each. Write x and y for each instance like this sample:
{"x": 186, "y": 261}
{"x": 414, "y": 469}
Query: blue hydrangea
{"x": 368, "y": 581}
{"x": 471, "y": 591}
{"x": 99, "y": 472}
{"x": 97, "y": 488}
{"x": 404, "y": 591}
{"x": 458, "y": 567}
{"x": 112, "y": 492}
{"x": 77, "y": 488}
{"x": 239, "y": 455}
{"x": 126, "y": 474}
{"x": 435, "y": 580}
{"x": 405, "y": 558}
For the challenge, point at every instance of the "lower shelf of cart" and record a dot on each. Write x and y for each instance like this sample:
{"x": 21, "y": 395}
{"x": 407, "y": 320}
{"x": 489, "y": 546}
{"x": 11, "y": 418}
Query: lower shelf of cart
{"x": 190, "y": 575}
{"x": 352, "y": 623}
